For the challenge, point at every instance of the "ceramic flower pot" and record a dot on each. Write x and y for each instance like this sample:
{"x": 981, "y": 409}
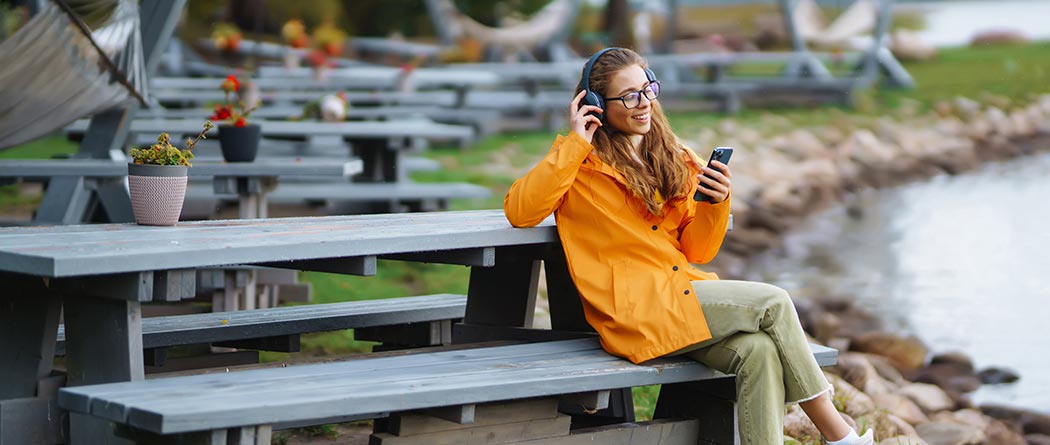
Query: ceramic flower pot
{"x": 239, "y": 144}
{"x": 157, "y": 193}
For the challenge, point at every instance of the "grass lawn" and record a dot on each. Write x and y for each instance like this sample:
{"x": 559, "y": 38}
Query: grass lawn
{"x": 1012, "y": 72}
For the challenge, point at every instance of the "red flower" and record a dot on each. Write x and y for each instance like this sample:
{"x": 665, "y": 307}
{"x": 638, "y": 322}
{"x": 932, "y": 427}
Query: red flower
{"x": 317, "y": 58}
{"x": 240, "y": 122}
{"x": 221, "y": 113}
{"x": 231, "y": 84}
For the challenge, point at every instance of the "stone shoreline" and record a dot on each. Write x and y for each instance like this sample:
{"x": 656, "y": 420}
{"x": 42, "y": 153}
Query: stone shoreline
{"x": 883, "y": 380}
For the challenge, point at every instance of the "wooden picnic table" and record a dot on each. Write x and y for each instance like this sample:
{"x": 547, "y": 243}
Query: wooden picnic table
{"x": 100, "y": 274}
{"x": 385, "y": 130}
{"x": 351, "y": 78}
{"x": 250, "y": 181}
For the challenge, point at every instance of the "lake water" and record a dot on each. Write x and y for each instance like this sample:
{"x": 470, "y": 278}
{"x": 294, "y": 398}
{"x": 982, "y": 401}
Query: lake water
{"x": 953, "y": 23}
{"x": 959, "y": 261}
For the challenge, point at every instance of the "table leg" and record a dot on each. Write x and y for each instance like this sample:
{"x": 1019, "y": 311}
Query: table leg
{"x": 28, "y": 328}
{"x": 103, "y": 344}
{"x": 504, "y": 294}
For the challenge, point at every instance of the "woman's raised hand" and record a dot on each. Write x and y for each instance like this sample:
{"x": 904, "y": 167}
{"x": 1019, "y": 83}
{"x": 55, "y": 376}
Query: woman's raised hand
{"x": 579, "y": 121}
{"x": 717, "y": 188}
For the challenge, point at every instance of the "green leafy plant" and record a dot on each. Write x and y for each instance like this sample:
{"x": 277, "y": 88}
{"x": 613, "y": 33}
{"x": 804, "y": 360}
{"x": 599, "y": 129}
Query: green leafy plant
{"x": 164, "y": 153}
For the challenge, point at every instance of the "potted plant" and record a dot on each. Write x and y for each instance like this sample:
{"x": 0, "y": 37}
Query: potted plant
{"x": 157, "y": 179}
{"x": 238, "y": 139}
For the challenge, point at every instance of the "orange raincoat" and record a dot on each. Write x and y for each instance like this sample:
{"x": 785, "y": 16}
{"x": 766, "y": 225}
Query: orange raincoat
{"x": 631, "y": 269}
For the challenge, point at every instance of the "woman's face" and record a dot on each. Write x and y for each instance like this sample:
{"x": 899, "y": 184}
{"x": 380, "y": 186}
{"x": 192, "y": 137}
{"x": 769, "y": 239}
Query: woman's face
{"x": 633, "y": 121}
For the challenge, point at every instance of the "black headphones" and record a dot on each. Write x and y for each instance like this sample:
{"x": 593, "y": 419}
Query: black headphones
{"x": 593, "y": 98}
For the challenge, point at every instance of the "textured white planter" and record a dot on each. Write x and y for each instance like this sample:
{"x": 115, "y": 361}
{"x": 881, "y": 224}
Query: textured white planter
{"x": 157, "y": 192}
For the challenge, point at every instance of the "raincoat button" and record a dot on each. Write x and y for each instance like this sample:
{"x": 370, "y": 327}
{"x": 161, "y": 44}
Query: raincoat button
{"x": 687, "y": 292}
{"x": 654, "y": 227}
{"x": 675, "y": 268}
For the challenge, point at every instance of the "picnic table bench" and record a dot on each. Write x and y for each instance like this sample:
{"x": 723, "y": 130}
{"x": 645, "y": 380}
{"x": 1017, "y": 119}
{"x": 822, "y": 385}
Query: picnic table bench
{"x": 279, "y": 328}
{"x": 356, "y": 132}
{"x": 100, "y": 274}
{"x": 484, "y": 122}
{"x": 215, "y": 408}
{"x": 101, "y": 182}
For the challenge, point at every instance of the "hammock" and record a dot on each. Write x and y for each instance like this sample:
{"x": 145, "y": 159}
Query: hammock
{"x": 543, "y": 25}
{"x": 859, "y": 19}
{"x": 55, "y": 70}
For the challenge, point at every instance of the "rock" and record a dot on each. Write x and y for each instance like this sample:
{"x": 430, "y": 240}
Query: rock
{"x": 960, "y": 360}
{"x": 1000, "y": 122}
{"x": 970, "y": 417}
{"x": 929, "y": 397}
{"x": 798, "y": 425}
{"x": 885, "y": 425}
{"x": 941, "y": 432}
{"x": 999, "y": 433}
{"x": 901, "y": 406}
{"x": 907, "y": 45}
{"x": 902, "y": 425}
{"x": 1037, "y": 439}
{"x": 1037, "y": 424}
{"x": 806, "y": 145}
{"x": 967, "y": 108}
{"x": 819, "y": 323}
{"x": 859, "y": 372}
{"x": 903, "y": 440}
{"x": 994, "y": 376}
{"x": 852, "y": 401}
{"x": 950, "y": 376}
{"x": 1027, "y": 421}
{"x": 906, "y": 353}
{"x": 998, "y": 37}
{"x": 1021, "y": 125}
{"x": 886, "y": 369}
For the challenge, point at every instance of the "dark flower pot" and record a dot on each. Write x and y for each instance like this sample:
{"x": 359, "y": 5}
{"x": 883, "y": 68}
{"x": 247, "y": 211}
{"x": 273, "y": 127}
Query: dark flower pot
{"x": 239, "y": 144}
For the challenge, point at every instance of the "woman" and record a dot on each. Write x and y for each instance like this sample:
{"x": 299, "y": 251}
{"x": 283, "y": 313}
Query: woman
{"x": 621, "y": 188}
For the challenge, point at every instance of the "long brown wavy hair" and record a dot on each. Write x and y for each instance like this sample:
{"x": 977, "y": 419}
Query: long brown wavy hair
{"x": 662, "y": 175}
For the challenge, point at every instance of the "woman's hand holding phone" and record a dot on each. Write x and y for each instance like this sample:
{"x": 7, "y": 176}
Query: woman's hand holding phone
{"x": 716, "y": 179}
{"x": 584, "y": 120}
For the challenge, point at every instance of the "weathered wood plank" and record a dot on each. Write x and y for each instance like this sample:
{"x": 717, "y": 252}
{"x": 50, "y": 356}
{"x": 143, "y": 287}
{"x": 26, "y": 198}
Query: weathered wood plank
{"x": 484, "y": 257}
{"x": 268, "y": 166}
{"x": 224, "y": 326}
{"x": 422, "y": 381}
{"x": 377, "y": 130}
{"x": 379, "y": 190}
{"x": 59, "y": 251}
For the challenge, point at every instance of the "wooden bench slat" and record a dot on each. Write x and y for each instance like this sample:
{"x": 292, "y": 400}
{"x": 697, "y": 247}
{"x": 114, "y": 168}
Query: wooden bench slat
{"x": 366, "y": 386}
{"x": 360, "y": 191}
{"x": 68, "y": 251}
{"x": 379, "y": 385}
{"x": 238, "y": 325}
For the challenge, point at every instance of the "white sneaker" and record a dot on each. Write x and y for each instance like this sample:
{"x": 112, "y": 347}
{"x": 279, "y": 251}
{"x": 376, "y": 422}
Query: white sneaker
{"x": 868, "y": 438}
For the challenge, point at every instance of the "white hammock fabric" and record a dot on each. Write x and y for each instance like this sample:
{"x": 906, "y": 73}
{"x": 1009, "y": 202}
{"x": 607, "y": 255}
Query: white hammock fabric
{"x": 857, "y": 20}
{"x": 525, "y": 35}
{"x": 51, "y": 74}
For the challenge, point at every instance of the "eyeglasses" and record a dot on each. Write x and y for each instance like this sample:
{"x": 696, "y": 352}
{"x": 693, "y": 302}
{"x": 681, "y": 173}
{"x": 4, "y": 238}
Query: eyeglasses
{"x": 634, "y": 98}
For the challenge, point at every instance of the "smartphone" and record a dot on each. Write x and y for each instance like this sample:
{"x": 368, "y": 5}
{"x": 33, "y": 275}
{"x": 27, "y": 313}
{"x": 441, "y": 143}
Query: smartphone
{"x": 720, "y": 154}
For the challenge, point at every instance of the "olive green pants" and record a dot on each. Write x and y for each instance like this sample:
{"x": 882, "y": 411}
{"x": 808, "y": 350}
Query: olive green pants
{"x": 756, "y": 335}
